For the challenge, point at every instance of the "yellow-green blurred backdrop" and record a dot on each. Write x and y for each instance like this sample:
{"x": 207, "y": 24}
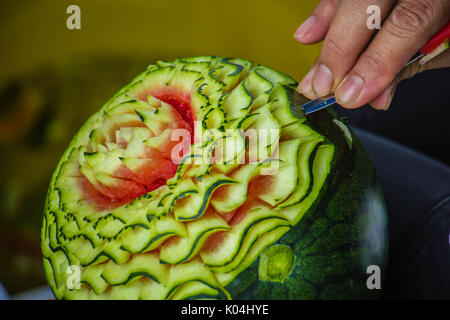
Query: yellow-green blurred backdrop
{"x": 34, "y": 32}
{"x": 52, "y": 79}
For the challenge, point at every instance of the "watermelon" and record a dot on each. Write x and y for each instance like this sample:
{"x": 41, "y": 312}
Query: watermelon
{"x": 202, "y": 179}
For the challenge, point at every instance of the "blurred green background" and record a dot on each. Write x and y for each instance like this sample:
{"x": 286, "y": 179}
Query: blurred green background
{"x": 53, "y": 78}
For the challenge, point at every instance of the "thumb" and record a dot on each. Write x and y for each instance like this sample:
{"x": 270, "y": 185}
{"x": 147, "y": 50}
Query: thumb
{"x": 383, "y": 100}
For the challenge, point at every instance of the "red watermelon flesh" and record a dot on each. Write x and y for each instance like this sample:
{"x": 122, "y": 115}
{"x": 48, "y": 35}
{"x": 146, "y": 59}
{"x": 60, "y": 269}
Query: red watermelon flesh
{"x": 156, "y": 165}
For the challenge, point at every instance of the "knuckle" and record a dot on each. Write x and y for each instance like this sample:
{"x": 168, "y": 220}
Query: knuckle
{"x": 325, "y": 6}
{"x": 374, "y": 62}
{"x": 330, "y": 3}
{"x": 326, "y": 3}
{"x": 415, "y": 69}
{"x": 411, "y": 15}
{"x": 334, "y": 48}
{"x": 410, "y": 71}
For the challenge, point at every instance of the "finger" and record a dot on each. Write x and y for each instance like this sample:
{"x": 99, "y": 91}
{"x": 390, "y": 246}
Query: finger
{"x": 305, "y": 86}
{"x": 404, "y": 32}
{"x": 440, "y": 61}
{"x": 347, "y": 37}
{"x": 383, "y": 100}
{"x": 316, "y": 26}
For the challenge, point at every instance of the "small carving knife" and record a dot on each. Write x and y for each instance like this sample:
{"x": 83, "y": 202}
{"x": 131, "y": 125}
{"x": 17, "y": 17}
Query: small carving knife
{"x": 436, "y": 45}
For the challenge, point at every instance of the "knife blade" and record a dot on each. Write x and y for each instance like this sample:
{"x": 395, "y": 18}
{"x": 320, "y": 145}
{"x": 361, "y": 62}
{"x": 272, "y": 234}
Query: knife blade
{"x": 436, "y": 45}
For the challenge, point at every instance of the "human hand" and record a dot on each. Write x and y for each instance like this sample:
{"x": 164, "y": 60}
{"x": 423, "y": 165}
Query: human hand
{"x": 360, "y": 68}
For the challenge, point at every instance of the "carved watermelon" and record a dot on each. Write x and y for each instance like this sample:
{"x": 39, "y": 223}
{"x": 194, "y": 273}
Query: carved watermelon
{"x": 196, "y": 180}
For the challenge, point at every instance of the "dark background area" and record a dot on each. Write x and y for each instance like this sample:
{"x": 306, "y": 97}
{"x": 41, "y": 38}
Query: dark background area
{"x": 416, "y": 187}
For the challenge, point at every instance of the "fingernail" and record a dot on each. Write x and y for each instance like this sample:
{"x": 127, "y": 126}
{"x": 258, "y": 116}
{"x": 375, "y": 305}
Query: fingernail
{"x": 322, "y": 81}
{"x": 350, "y": 90}
{"x": 388, "y": 104}
{"x": 383, "y": 101}
{"x": 305, "y": 85}
{"x": 304, "y": 28}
